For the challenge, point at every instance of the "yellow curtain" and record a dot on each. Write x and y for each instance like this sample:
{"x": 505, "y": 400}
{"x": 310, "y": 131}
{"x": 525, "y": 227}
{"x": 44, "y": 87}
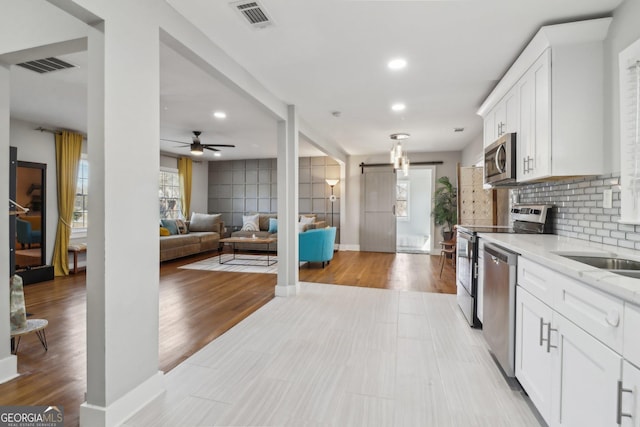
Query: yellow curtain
{"x": 184, "y": 172}
{"x": 68, "y": 152}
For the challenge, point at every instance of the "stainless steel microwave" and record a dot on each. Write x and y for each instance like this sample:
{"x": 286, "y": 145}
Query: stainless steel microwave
{"x": 500, "y": 161}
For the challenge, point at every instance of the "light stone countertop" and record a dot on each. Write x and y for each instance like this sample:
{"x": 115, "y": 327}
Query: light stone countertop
{"x": 543, "y": 249}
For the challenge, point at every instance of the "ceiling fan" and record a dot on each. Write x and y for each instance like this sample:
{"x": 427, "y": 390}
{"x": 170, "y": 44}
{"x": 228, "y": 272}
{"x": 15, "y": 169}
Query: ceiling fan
{"x": 197, "y": 147}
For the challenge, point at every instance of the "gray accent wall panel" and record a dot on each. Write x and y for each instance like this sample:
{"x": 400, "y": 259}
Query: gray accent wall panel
{"x": 239, "y": 187}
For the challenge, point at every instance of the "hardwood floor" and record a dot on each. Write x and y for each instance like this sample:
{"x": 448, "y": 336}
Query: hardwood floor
{"x": 216, "y": 301}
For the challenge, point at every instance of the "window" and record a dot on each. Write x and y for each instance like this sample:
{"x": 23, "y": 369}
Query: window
{"x": 170, "y": 206}
{"x": 629, "y": 68}
{"x": 402, "y": 200}
{"x": 80, "y": 218}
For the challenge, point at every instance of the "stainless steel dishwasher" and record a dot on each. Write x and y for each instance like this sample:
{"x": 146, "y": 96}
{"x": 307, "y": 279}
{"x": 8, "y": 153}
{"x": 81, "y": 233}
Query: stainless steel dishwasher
{"x": 499, "y": 305}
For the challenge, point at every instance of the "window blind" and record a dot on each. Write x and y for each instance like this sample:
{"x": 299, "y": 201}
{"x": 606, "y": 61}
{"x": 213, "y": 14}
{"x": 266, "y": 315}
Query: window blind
{"x": 630, "y": 133}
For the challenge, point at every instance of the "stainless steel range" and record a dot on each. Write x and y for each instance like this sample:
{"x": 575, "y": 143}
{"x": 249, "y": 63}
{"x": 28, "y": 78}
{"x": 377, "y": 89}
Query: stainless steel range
{"x": 526, "y": 219}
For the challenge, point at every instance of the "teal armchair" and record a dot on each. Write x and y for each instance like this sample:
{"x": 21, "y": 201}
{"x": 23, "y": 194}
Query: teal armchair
{"x": 26, "y": 236}
{"x": 316, "y": 245}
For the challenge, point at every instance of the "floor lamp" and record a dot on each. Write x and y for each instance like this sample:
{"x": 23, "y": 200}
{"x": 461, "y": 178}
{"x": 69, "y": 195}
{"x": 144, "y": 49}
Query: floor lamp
{"x": 332, "y": 183}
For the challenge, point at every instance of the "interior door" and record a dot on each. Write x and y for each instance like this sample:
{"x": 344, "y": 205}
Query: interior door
{"x": 378, "y": 222}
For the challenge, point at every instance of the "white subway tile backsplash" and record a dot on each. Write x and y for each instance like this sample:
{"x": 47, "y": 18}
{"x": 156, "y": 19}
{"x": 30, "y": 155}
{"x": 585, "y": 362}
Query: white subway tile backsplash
{"x": 579, "y": 212}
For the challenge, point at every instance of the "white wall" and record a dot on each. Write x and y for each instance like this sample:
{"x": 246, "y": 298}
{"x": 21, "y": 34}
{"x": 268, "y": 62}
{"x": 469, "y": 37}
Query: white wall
{"x": 199, "y": 186}
{"x": 473, "y": 153}
{"x": 40, "y": 147}
{"x": 351, "y": 219}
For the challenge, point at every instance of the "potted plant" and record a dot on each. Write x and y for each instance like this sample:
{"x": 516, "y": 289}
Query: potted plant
{"x": 445, "y": 207}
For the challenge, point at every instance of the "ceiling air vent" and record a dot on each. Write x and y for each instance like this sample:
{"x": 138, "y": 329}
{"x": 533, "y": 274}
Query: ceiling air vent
{"x": 46, "y": 65}
{"x": 253, "y": 12}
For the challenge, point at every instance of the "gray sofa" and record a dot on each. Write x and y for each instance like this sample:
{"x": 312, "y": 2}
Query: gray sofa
{"x": 263, "y": 222}
{"x": 194, "y": 242}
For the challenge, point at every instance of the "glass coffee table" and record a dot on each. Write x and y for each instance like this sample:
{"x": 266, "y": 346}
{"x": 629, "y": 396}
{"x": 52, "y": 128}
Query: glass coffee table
{"x": 247, "y": 240}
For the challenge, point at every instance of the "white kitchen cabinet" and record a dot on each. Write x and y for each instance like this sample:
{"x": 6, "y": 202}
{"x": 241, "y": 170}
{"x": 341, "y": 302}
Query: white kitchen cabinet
{"x": 562, "y": 360}
{"x": 629, "y": 394}
{"x": 533, "y": 353}
{"x": 502, "y": 119}
{"x": 585, "y": 376}
{"x": 558, "y": 85}
{"x": 533, "y": 142}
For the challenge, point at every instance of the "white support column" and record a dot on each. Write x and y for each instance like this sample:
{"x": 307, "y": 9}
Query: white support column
{"x": 288, "y": 284}
{"x": 8, "y": 362}
{"x": 123, "y": 246}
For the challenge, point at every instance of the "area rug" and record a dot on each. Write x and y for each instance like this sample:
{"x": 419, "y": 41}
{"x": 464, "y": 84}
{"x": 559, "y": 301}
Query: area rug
{"x": 255, "y": 264}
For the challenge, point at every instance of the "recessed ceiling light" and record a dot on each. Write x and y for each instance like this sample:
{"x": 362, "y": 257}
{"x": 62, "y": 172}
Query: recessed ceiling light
{"x": 220, "y": 115}
{"x": 217, "y": 154}
{"x": 398, "y": 107}
{"x": 397, "y": 64}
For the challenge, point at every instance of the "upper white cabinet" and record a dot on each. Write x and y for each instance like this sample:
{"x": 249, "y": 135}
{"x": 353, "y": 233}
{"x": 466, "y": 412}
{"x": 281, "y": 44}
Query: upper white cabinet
{"x": 503, "y": 118}
{"x": 552, "y": 97}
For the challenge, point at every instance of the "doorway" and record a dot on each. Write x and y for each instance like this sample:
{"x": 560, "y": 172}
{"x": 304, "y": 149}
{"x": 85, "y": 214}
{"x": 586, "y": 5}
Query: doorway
{"x": 414, "y": 224}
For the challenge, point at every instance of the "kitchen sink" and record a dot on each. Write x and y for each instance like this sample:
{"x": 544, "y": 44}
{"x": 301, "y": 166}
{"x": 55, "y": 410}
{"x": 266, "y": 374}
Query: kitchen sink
{"x": 606, "y": 263}
{"x": 621, "y": 266}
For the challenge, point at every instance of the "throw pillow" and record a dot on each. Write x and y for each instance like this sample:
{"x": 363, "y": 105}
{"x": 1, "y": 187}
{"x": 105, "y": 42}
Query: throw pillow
{"x": 182, "y": 227}
{"x": 204, "y": 222}
{"x": 250, "y": 222}
{"x": 307, "y": 219}
{"x": 164, "y": 231}
{"x": 170, "y": 224}
{"x": 273, "y": 225}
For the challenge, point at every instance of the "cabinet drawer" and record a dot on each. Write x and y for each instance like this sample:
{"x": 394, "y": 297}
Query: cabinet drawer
{"x": 592, "y": 310}
{"x": 537, "y": 280}
{"x": 600, "y": 314}
{"x": 631, "y": 350}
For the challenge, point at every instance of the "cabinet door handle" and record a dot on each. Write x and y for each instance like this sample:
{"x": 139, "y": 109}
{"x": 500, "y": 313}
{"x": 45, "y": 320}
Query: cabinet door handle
{"x": 619, "y": 413}
{"x": 541, "y": 331}
{"x": 613, "y": 318}
{"x": 548, "y": 338}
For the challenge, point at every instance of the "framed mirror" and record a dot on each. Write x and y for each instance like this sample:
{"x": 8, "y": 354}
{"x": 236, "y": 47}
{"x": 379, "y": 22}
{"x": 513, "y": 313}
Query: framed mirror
{"x": 31, "y": 231}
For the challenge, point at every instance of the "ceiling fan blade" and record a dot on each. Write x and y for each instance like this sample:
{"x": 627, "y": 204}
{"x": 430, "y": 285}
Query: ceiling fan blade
{"x": 219, "y": 145}
{"x": 206, "y": 147}
{"x": 171, "y": 140}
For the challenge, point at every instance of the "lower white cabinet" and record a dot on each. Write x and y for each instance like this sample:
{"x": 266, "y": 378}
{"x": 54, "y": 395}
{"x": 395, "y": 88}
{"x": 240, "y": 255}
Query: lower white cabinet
{"x": 533, "y": 352}
{"x": 585, "y": 376}
{"x": 629, "y": 395}
{"x": 570, "y": 376}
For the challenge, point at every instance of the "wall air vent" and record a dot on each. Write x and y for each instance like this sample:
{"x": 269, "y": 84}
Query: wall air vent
{"x": 253, "y": 12}
{"x": 46, "y": 65}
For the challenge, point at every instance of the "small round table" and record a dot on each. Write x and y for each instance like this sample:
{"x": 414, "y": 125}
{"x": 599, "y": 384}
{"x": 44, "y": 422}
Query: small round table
{"x": 36, "y": 326}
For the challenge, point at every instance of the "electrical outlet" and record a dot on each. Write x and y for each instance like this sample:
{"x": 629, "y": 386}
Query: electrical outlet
{"x": 607, "y": 199}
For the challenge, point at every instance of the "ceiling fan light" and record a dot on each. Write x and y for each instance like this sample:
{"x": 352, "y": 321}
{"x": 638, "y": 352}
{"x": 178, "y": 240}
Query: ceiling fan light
{"x": 197, "y": 150}
{"x": 399, "y": 136}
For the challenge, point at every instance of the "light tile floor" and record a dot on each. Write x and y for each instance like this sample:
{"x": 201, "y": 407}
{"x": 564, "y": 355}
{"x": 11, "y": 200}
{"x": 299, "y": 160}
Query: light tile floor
{"x": 342, "y": 356}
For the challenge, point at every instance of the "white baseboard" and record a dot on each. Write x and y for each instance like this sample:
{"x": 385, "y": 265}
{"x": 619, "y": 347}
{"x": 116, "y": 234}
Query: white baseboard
{"x": 350, "y": 248}
{"x": 125, "y": 407}
{"x": 8, "y": 368}
{"x": 287, "y": 291}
